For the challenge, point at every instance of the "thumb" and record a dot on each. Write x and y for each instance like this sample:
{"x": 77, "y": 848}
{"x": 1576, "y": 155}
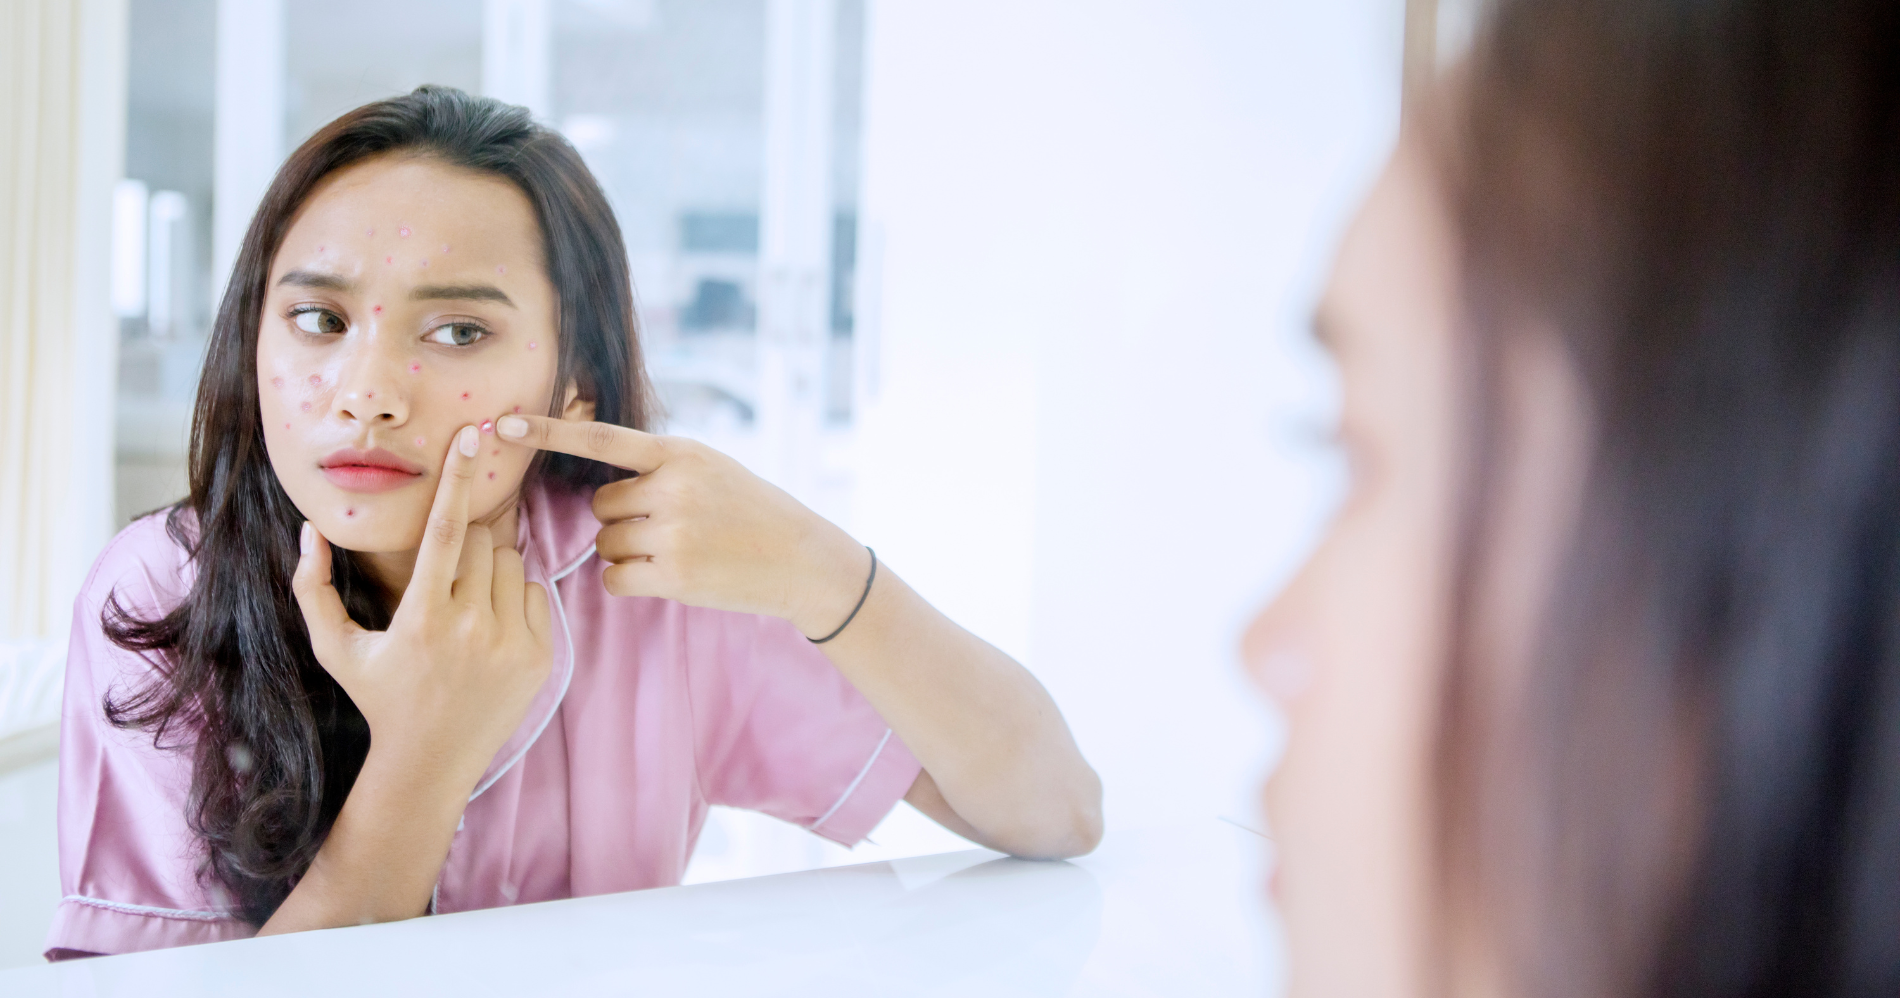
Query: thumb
{"x": 329, "y": 624}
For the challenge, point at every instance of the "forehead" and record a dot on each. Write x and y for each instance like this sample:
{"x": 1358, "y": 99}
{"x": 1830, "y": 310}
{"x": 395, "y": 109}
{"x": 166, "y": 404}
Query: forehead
{"x": 418, "y": 204}
{"x": 1393, "y": 282}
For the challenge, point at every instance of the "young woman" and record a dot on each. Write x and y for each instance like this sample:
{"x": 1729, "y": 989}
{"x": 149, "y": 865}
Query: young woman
{"x": 1594, "y": 685}
{"x": 442, "y": 627}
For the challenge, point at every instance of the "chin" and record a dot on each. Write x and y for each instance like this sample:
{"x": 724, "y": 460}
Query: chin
{"x": 359, "y": 523}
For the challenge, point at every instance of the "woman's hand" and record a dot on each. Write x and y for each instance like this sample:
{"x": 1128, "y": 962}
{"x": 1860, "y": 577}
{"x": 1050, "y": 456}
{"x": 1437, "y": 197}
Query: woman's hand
{"x": 465, "y": 653}
{"x": 698, "y": 528}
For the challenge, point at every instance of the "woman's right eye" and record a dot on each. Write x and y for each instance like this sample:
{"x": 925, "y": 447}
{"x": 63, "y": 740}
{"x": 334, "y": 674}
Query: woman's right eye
{"x": 318, "y": 321}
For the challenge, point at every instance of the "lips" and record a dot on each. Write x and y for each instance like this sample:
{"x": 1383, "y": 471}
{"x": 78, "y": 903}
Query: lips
{"x": 376, "y": 470}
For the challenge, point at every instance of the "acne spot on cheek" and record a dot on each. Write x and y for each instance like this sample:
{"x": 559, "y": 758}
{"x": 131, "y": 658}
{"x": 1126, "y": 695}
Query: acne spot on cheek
{"x": 488, "y": 426}
{"x": 425, "y": 264}
{"x": 286, "y": 426}
{"x": 517, "y": 408}
{"x": 465, "y": 396}
{"x": 532, "y": 345}
{"x": 491, "y": 476}
{"x": 306, "y": 407}
{"x": 377, "y": 310}
{"x": 496, "y": 452}
{"x": 503, "y": 269}
{"x": 277, "y": 382}
{"x": 316, "y": 379}
{"x": 422, "y": 441}
{"x": 389, "y": 259}
{"x": 369, "y": 232}
{"x": 403, "y": 232}
{"x": 445, "y": 247}
{"x": 349, "y": 512}
{"x": 415, "y": 369}
{"x": 319, "y": 249}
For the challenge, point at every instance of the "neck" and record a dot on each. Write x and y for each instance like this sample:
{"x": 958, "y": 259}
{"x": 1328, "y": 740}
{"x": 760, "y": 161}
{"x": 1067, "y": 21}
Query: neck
{"x": 392, "y": 570}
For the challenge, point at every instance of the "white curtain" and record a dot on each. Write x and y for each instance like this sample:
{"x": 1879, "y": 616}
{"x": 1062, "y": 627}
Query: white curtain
{"x": 62, "y": 140}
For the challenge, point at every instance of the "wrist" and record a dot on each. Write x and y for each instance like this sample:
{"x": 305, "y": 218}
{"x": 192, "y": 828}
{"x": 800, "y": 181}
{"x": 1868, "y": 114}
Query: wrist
{"x": 831, "y": 584}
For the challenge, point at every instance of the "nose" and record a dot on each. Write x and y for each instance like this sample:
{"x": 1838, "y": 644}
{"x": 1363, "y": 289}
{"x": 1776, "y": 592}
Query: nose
{"x": 1277, "y": 648}
{"x": 368, "y": 389}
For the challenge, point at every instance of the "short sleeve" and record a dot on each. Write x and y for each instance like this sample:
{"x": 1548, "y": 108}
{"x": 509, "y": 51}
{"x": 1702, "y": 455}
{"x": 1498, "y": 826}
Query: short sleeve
{"x": 778, "y": 729}
{"x": 128, "y": 862}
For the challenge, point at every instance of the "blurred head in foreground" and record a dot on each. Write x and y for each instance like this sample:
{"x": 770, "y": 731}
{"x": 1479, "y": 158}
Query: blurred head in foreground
{"x": 1595, "y": 682}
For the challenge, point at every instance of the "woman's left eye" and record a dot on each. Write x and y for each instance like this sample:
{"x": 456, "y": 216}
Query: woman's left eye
{"x": 456, "y": 334}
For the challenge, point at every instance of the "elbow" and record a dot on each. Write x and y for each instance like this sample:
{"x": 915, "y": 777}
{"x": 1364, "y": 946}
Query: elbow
{"x": 1071, "y": 826}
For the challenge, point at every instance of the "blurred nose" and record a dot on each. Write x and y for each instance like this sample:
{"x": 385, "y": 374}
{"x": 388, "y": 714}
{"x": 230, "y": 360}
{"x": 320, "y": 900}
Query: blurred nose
{"x": 368, "y": 388}
{"x": 1277, "y": 648}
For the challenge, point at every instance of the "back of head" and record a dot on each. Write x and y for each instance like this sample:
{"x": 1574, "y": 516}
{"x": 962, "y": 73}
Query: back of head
{"x": 1701, "y": 198}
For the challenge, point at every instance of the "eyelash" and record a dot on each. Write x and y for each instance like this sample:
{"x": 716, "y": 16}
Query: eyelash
{"x": 482, "y": 333}
{"x": 302, "y": 310}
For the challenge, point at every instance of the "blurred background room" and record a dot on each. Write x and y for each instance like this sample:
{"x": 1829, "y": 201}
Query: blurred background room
{"x": 1015, "y": 292}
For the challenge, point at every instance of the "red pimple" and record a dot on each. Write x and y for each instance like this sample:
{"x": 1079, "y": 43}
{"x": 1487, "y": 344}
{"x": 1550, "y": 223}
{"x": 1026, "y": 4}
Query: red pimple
{"x": 306, "y": 407}
{"x": 465, "y": 396}
{"x": 425, "y": 263}
{"x": 488, "y": 426}
{"x": 377, "y": 310}
{"x": 496, "y": 452}
{"x": 403, "y": 232}
{"x": 389, "y": 259}
{"x": 421, "y": 441}
{"x": 316, "y": 379}
{"x": 369, "y": 232}
{"x": 319, "y": 249}
{"x": 415, "y": 369}
{"x": 286, "y": 426}
{"x": 277, "y": 382}
{"x": 491, "y": 476}
{"x": 532, "y": 345}
{"x": 349, "y": 512}
{"x": 369, "y": 395}
{"x": 503, "y": 269}
{"x": 517, "y": 408}
{"x": 445, "y": 247}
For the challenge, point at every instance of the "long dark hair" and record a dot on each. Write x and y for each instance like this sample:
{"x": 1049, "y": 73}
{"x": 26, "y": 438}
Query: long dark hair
{"x": 1696, "y": 791}
{"x": 277, "y": 743}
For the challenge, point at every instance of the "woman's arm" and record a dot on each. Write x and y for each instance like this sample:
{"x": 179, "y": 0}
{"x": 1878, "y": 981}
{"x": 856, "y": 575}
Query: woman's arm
{"x": 1000, "y": 766}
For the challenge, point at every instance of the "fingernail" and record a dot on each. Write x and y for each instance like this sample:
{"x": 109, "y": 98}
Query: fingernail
{"x": 468, "y": 441}
{"x": 304, "y": 540}
{"x": 512, "y": 427}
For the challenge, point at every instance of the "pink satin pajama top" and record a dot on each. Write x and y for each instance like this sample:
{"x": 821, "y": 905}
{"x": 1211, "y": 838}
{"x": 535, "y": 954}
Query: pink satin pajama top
{"x": 653, "y": 711}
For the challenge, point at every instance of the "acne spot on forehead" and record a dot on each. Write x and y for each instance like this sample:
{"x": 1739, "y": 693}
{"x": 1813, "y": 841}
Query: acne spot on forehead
{"x": 403, "y": 232}
{"x": 370, "y": 395}
{"x": 349, "y": 512}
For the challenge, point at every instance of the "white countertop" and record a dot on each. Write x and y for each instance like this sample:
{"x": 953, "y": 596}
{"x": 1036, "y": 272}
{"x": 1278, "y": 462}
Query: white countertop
{"x": 1155, "y": 912}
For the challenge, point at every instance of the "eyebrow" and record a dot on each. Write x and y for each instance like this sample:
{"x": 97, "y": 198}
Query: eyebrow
{"x": 312, "y": 279}
{"x": 461, "y": 292}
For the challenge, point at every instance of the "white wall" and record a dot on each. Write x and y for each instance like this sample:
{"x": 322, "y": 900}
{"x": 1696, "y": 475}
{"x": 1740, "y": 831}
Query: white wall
{"x": 1092, "y": 233}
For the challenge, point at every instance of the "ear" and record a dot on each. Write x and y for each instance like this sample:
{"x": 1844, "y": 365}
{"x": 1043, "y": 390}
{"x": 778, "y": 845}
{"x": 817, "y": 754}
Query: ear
{"x": 575, "y": 408}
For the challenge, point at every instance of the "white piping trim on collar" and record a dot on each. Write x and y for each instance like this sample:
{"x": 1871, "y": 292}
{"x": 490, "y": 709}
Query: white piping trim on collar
{"x": 146, "y": 909}
{"x": 848, "y": 791}
{"x": 560, "y": 609}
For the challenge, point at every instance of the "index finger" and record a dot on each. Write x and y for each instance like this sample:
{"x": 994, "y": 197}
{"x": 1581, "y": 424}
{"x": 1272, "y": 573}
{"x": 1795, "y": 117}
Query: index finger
{"x": 441, "y": 549}
{"x": 619, "y": 446}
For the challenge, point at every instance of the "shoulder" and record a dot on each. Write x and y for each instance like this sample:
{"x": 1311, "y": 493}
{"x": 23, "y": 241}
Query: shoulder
{"x": 144, "y": 568}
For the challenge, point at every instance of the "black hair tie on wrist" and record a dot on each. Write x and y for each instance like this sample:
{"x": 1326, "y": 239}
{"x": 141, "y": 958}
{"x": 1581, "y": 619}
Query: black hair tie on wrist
{"x": 854, "y": 610}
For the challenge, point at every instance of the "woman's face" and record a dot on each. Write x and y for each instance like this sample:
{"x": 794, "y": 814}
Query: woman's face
{"x": 408, "y": 300}
{"x": 1353, "y": 648}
